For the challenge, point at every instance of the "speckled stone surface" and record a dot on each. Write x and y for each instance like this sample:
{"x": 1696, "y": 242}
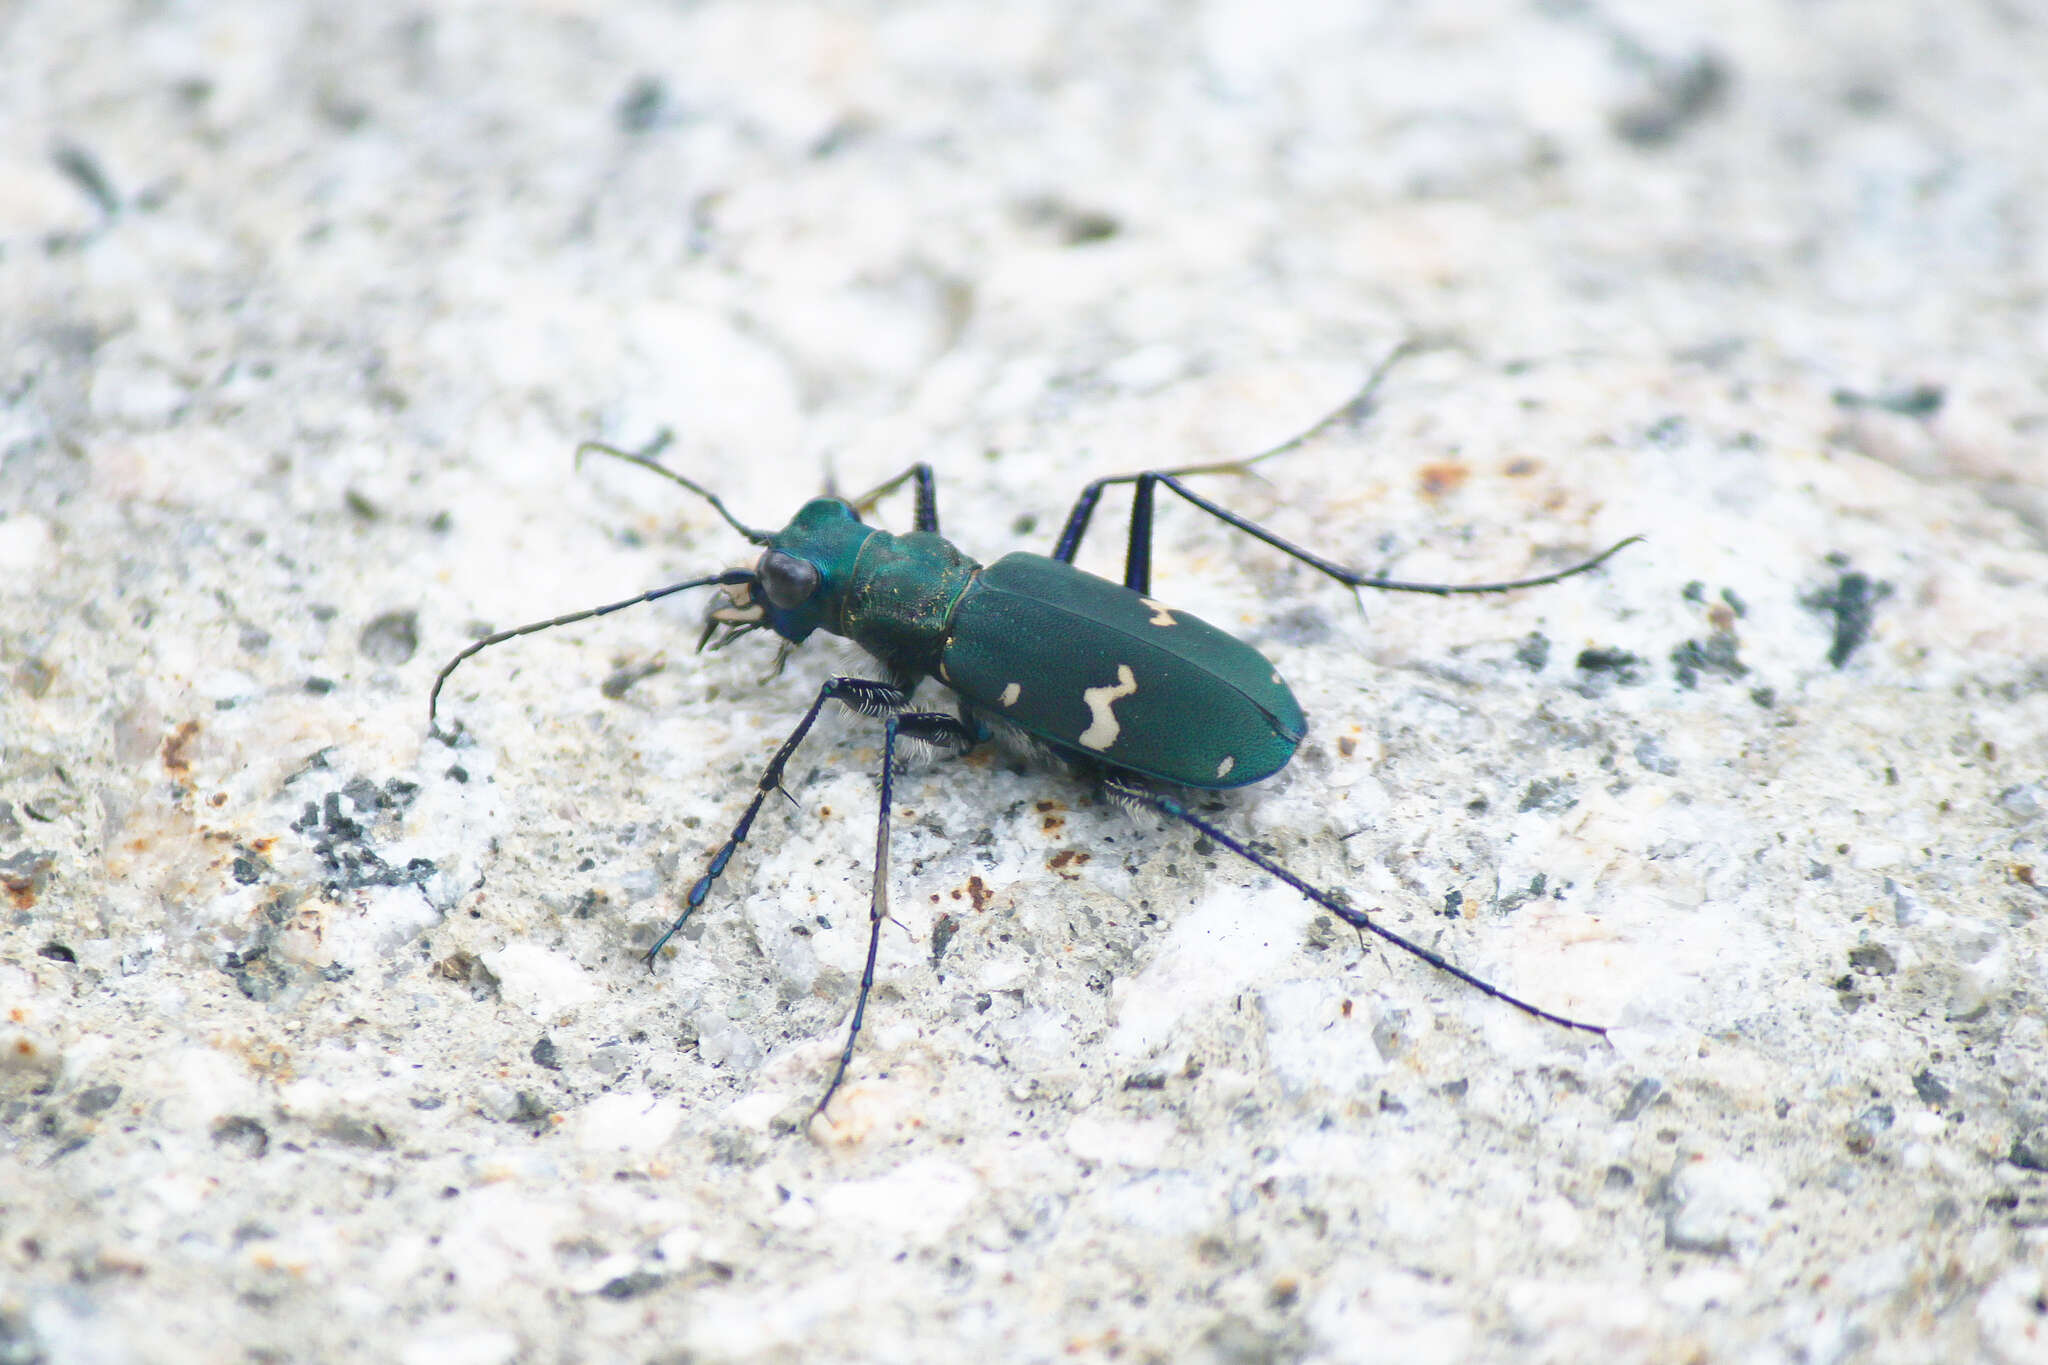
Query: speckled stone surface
{"x": 324, "y": 1040}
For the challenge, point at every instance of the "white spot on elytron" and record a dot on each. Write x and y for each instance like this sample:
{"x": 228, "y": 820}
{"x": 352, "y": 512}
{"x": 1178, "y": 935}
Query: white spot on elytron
{"x": 1011, "y": 693}
{"x": 1223, "y": 768}
{"x": 1276, "y": 679}
{"x": 1162, "y": 615}
{"x": 1103, "y": 726}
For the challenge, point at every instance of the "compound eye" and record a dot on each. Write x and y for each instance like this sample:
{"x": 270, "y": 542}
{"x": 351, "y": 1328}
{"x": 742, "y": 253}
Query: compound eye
{"x": 788, "y": 580}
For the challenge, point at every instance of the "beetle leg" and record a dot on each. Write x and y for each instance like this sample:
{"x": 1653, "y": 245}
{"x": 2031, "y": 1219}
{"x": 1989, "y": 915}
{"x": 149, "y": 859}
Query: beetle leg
{"x": 932, "y": 727}
{"x": 862, "y": 694}
{"x": 976, "y": 729}
{"x": 1141, "y": 569}
{"x": 1138, "y": 549}
{"x": 1354, "y": 409}
{"x": 1131, "y": 792}
{"x": 927, "y": 496}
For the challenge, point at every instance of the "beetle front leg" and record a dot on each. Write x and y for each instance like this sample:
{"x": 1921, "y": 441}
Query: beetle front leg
{"x": 865, "y": 695}
{"x": 927, "y": 496}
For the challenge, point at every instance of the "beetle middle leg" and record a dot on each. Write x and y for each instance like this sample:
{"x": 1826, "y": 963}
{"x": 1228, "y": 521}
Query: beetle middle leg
{"x": 870, "y": 697}
{"x": 1138, "y": 548}
{"x": 1138, "y": 557}
{"x": 1138, "y": 562}
{"x": 866, "y": 695}
{"x": 931, "y": 727}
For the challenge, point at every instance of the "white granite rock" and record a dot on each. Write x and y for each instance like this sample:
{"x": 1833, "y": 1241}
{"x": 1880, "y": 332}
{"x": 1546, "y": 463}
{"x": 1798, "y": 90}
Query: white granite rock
{"x": 323, "y": 1038}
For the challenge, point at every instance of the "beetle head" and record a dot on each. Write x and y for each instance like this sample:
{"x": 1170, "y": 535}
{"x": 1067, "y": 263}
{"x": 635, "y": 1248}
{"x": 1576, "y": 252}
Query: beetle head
{"x": 798, "y": 584}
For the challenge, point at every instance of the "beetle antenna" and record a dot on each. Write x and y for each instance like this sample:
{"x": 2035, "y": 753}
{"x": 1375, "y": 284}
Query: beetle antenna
{"x": 646, "y": 461}
{"x": 726, "y": 579}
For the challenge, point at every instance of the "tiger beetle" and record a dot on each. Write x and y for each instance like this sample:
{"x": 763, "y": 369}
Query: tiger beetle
{"x": 1144, "y": 700}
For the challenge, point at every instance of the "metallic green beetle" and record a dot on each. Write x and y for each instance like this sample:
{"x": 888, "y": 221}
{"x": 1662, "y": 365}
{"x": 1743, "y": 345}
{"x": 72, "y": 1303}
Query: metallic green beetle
{"x": 1138, "y": 696}
{"x": 1091, "y": 669}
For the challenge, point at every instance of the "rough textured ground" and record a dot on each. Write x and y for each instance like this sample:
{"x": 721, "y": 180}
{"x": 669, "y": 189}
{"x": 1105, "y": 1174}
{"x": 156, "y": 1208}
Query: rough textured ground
{"x": 324, "y": 1040}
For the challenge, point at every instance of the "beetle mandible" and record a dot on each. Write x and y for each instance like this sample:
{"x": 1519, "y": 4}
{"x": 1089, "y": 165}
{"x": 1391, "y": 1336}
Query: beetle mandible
{"x": 1141, "y": 698}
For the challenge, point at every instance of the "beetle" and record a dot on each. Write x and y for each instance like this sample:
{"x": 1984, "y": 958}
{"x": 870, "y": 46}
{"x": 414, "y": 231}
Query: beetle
{"x": 1145, "y": 700}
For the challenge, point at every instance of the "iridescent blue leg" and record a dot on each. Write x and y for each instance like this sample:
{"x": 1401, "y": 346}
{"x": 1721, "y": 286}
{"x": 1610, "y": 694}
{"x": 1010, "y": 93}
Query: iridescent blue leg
{"x": 1138, "y": 550}
{"x": 927, "y": 496}
{"x": 933, "y": 727}
{"x": 862, "y": 694}
{"x": 1135, "y": 793}
{"x": 1139, "y": 562}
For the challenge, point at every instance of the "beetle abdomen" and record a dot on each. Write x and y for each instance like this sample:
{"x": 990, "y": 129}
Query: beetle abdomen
{"x": 1094, "y": 668}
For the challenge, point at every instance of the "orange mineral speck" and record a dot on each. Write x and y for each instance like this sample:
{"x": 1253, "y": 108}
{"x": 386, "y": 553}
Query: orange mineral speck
{"x": 175, "y": 757}
{"x": 1441, "y": 478}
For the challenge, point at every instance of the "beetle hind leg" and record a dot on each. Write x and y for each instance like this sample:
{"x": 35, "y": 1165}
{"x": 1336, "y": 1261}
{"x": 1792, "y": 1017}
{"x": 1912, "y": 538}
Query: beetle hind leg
{"x": 1132, "y": 792}
{"x": 930, "y": 734}
{"x": 1138, "y": 549}
{"x": 1138, "y": 559}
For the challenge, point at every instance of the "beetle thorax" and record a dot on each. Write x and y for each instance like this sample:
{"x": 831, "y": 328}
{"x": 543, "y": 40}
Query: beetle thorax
{"x": 899, "y": 601}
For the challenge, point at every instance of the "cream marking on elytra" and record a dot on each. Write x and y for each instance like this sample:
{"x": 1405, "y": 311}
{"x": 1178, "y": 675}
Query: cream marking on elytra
{"x": 1103, "y": 726}
{"x": 1162, "y": 615}
{"x": 1223, "y": 768}
{"x": 1011, "y": 693}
